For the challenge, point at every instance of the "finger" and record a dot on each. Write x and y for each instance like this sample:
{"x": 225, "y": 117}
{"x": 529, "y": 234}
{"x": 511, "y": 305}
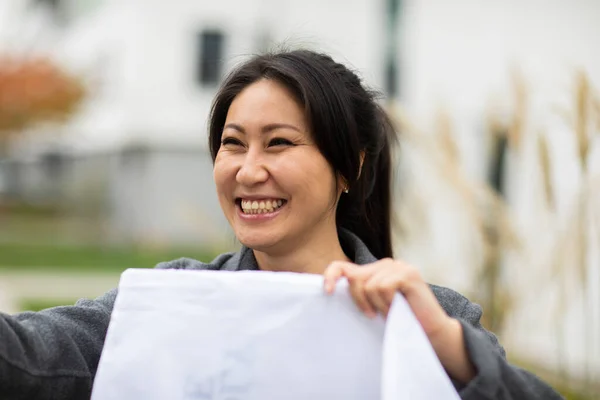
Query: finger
{"x": 380, "y": 290}
{"x": 357, "y": 290}
{"x": 333, "y": 273}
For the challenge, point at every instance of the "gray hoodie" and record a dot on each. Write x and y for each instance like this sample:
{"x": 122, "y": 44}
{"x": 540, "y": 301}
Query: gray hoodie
{"x": 53, "y": 354}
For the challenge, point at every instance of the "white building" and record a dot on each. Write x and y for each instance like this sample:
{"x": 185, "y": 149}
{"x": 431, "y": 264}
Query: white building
{"x": 158, "y": 63}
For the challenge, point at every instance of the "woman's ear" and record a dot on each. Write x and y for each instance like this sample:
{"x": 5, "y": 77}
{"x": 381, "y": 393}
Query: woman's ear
{"x": 343, "y": 184}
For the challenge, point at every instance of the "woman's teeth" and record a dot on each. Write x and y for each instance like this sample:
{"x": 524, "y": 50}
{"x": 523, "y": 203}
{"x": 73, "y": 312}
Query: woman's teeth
{"x": 260, "y": 206}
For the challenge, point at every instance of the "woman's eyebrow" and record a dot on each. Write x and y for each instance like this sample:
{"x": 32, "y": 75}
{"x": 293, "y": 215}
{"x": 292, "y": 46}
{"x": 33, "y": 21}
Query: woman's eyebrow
{"x": 272, "y": 127}
{"x": 265, "y": 129}
{"x": 236, "y": 127}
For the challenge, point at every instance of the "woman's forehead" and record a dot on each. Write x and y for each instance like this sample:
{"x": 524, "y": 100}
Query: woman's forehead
{"x": 264, "y": 104}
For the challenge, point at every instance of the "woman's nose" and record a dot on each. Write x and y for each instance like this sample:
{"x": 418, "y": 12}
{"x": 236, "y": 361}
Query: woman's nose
{"x": 252, "y": 171}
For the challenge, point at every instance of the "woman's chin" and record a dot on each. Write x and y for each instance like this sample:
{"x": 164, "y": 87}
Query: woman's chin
{"x": 266, "y": 243}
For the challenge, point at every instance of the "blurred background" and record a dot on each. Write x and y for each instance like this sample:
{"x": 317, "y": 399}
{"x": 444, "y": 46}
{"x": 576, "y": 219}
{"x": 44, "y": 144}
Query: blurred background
{"x": 104, "y": 164}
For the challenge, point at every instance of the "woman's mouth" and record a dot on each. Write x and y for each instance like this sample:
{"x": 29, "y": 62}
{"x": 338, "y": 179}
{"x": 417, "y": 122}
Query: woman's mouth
{"x": 262, "y": 206}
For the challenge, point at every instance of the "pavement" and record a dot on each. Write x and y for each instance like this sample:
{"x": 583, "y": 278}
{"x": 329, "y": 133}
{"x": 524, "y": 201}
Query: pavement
{"x": 15, "y": 286}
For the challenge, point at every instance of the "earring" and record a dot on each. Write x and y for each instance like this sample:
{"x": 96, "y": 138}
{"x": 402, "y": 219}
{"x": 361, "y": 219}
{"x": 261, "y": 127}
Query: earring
{"x": 346, "y": 190}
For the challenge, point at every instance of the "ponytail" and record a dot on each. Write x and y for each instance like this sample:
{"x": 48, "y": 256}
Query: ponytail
{"x": 366, "y": 210}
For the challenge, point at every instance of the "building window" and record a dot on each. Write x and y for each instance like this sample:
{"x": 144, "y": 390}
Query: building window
{"x": 210, "y": 57}
{"x": 392, "y": 69}
{"x": 56, "y": 8}
{"x": 52, "y": 4}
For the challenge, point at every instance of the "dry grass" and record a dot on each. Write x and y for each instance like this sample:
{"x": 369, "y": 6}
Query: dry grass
{"x": 486, "y": 211}
{"x": 582, "y": 116}
{"x": 546, "y": 167}
{"x": 490, "y": 216}
{"x": 519, "y": 116}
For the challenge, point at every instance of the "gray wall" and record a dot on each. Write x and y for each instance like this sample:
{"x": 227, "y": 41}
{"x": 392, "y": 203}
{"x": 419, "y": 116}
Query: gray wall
{"x": 141, "y": 195}
{"x": 166, "y": 196}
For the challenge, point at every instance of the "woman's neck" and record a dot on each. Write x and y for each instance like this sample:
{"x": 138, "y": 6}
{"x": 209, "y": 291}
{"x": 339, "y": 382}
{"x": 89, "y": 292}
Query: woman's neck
{"x": 311, "y": 257}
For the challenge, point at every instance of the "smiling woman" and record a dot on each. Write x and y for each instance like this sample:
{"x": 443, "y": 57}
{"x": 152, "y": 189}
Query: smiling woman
{"x": 301, "y": 129}
{"x": 268, "y": 156}
{"x": 302, "y": 166}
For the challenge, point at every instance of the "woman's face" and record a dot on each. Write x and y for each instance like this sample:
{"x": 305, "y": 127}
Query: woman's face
{"x": 274, "y": 186}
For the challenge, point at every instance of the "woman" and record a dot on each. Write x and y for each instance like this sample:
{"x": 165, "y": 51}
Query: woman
{"x": 302, "y": 166}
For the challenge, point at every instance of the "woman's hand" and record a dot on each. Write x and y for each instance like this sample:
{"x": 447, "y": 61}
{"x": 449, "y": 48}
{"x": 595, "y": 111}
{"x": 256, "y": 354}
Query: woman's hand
{"x": 373, "y": 287}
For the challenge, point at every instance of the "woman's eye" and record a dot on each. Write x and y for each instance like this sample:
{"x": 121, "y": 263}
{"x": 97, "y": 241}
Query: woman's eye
{"x": 230, "y": 141}
{"x": 280, "y": 142}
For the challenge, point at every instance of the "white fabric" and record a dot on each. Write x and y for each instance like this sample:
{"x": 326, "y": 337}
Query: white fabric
{"x": 259, "y": 335}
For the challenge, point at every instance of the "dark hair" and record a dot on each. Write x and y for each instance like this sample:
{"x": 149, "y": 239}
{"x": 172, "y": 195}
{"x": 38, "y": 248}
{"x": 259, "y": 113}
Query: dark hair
{"x": 345, "y": 120}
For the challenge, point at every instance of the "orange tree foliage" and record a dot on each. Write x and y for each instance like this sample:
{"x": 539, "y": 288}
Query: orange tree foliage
{"x": 35, "y": 90}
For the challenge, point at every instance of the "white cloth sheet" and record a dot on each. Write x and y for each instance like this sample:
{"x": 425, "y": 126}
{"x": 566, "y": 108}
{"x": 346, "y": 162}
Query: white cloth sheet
{"x": 259, "y": 335}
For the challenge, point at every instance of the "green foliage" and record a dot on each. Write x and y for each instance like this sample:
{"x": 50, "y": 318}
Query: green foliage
{"x": 89, "y": 258}
{"x": 570, "y": 394}
{"x": 569, "y": 388}
{"x": 35, "y": 304}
